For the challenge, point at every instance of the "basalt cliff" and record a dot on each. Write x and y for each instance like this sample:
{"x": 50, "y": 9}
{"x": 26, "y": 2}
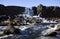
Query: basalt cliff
{"x": 11, "y": 10}
{"x": 47, "y": 11}
{"x": 43, "y": 11}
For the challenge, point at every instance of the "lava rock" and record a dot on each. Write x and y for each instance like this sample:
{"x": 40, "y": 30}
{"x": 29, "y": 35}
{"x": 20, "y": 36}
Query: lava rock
{"x": 11, "y": 30}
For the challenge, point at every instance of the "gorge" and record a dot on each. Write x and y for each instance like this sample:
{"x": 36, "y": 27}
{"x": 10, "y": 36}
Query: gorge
{"x": 43, "y": 11}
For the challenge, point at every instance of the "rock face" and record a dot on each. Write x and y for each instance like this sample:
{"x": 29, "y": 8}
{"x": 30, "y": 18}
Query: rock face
{"x": 34, "y": 10}
{"x": 48, "y": 11}
{"x": 11, "y": 10}
{"x": 2, "y": 9}
{"x": 44, "y": 11}
{"x": 15, "y": 10}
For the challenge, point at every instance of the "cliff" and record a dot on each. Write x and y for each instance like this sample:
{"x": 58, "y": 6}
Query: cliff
{"x": 43, "y": 11}
{"x": 11, "y": 10}
{"x": 48, "y": 11}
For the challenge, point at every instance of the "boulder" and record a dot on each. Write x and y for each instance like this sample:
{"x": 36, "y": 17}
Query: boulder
{"x": 49, "y": 32}
{"x": 11, "y": 30}
{"x": 58, "y": 27}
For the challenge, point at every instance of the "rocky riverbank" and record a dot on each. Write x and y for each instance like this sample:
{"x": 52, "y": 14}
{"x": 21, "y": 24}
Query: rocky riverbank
{"x": 35, "y": 33}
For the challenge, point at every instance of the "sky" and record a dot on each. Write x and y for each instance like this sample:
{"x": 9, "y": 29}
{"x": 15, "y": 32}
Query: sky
{"x": 30, "y": 3}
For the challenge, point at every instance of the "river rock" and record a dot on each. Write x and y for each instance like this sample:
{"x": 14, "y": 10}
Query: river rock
{"x": 11, "y": 30}
{"x": 48, "y": 32}
{"x": 58, "y": 27}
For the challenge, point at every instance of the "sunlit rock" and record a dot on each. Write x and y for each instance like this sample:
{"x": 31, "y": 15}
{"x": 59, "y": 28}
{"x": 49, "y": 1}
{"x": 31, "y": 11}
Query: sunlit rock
{"x": 58, "y": 27}
{"x": 50, "y": 31}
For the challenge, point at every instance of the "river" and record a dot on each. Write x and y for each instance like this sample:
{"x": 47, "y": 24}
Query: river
{"x": 35, "y": 35}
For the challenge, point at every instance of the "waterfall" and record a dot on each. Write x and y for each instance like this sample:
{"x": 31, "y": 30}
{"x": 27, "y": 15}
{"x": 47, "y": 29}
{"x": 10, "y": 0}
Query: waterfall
{"x": 27, "y": 13}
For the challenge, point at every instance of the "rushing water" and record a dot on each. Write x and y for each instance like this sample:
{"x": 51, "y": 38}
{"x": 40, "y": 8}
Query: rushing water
{"x": 28, "y": 11}
{"x": 32, "y": 33}
{"x": 36, "y": 33}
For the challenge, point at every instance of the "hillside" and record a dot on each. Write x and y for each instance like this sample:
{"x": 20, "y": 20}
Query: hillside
{"x": 11, "y": 10}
